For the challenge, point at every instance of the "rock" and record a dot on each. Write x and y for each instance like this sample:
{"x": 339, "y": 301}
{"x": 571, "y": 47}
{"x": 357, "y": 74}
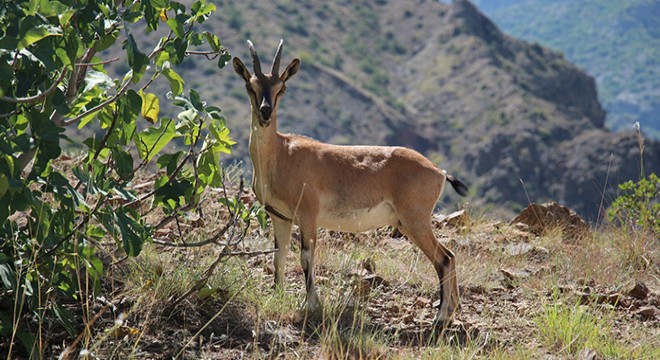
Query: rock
{"x": 455, "y": 219}
{"x": 269, "y": 269}
{"x": 648, "y": 312}
{"x": 422, "y": 302}
{"x": 514, "y": 249}
{"x": 613, "y": 299}
{"x": 369, "y": 264}
{"x": 547, "y": 216}
{"x": 375, "y": 280}
{"x": 394, "y": 309}
{"x": 408, "y": 318}
{"x": 512, "y": 274}
{"x": 587, "y": 354}
{"x": 638, "y": 290}
{"x": 539, "y": 254}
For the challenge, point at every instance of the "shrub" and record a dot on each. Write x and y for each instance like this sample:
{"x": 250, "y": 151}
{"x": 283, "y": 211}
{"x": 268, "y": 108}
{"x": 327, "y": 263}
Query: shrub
{"x": 638, "y": 204}
{"x": 54, "y": 77}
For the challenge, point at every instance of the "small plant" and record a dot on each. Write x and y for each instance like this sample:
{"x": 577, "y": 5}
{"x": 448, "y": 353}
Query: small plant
{"x": 639, "y": 204}
{"x": 345, "y": 334}
{"x": 572, "y": 328}
{"x": 569, "y": 328}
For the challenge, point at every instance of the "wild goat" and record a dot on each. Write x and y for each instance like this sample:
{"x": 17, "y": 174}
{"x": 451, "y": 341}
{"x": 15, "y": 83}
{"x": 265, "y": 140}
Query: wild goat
{"x": 344, "y": 188}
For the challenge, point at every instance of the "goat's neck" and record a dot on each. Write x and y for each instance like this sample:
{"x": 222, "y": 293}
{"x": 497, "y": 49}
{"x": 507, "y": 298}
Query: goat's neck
{"x": 264, "y": 148}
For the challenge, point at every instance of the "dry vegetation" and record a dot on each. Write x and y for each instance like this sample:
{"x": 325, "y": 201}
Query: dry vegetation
{"x": 523, "y": 296}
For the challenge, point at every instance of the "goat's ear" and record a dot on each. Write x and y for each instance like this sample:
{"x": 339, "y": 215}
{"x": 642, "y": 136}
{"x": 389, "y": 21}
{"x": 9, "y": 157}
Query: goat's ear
{"x": 241, "y": 70}
{"x": 291, "y": 70}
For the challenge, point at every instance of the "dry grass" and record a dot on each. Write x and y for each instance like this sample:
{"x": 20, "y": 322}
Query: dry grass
{"x": 523, "y": 297}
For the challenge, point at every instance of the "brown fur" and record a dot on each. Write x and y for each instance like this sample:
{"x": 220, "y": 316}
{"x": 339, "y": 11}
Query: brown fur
{"x": 349, "y": 188}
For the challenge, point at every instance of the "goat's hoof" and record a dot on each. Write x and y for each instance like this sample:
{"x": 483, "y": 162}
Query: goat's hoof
{"x": 443, "y": 322}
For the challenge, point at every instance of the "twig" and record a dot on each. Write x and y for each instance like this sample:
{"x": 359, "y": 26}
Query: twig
{"x": 233, "y": 218}
{"x": 178, "y": 356}
{"x": 98, "y": 63}
{"x": 602, "y": 195}
{"x": 68, "y": 352}
{"x": 199, "y": 284}
{"x": 98, "y": 107}
{"x": 37, "y": 97}
{"x": 169, "y": 219}
{"x": 5, "y": 115}
{"x": 252, "y": 253}
{"x": 210, "y": 55}
{"x": 78, "y": 75}
{"x": 82, "y": 222}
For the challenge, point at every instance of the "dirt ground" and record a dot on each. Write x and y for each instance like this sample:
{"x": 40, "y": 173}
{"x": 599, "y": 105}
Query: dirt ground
{"x": 380, "y": 298}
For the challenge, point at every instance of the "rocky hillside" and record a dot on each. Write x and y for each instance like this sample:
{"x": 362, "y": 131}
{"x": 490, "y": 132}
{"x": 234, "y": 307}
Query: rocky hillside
{"x": 618, "y": 42}
{"x": 514, "y": 120}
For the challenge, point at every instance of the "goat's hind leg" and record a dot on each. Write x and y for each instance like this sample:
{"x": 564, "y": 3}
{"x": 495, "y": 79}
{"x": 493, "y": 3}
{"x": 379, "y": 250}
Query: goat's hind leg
{"x": 444, "y": 262}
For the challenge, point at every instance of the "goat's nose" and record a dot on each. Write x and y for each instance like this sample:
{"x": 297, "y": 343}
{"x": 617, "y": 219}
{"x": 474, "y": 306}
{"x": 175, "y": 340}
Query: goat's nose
{"x": 266, "y": 111}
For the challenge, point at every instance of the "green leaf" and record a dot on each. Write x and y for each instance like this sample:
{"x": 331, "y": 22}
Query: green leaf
{"x": 4, "y": 184}
{"x": 201, "y": 9}
{"x": 7, "y": 275}
{"x": 169, "y": 161}
{"x": 212, "y": 40}
{"x": 177, "y": 50}
{"x": 176, "y": 81}
{"x": 6, "y": 72}
{"x": 196, "y": 100}
{"x": 37, "y": 33}
{"x": 224, "y": 59}
{"x": 136, "y": 59}
{"x": 66, "y": 318}
{"x": 123, "y": 163}
{"x": 94, "y": 232}
{"x": 132, "y": 233}
{"x": 172, "y": 193}
{"x": 150, "y": 107}
{"x": 176, "y": 26}
{"x": 208, "y": 291}
{"x": 208, "y": 169}
{"x": 154, "y": 139}
{"x": 222, "y": 135}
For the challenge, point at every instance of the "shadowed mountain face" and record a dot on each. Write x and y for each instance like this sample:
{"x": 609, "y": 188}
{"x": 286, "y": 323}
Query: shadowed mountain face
{"x": 514, "y": 120}
{"x": 618, "y": 42}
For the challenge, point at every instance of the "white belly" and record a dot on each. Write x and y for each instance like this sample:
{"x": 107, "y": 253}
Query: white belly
{"x": 358, "y": 220}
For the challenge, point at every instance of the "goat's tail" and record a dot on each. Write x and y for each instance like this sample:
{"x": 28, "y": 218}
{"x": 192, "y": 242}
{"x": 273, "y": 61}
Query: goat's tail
{"x": 460, "y": 188}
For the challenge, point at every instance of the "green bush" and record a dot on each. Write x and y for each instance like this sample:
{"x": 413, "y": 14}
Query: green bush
{"x": 638, "y": 204}
{"x": 54, "y": 77}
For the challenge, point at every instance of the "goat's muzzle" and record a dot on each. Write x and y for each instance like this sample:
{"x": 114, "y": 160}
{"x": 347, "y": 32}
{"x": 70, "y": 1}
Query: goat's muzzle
{"x": 266, "y": 111}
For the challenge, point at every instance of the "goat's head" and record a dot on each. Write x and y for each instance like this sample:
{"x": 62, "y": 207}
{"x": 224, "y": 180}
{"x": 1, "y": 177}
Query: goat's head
{"x": 265, "y": 90}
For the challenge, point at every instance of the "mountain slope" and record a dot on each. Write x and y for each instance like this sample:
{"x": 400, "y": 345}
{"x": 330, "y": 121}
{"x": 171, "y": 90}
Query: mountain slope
{"x": 616, "y": 41}
{"x": 514, "y": 120}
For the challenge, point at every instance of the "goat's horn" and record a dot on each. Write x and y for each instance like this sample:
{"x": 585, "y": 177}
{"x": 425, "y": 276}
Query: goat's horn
{"x": 255, "y": 58}
{"x": 275, "y": 70}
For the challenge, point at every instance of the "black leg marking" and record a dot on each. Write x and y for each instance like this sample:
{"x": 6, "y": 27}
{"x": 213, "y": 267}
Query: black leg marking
{"x": 304, "y": 248}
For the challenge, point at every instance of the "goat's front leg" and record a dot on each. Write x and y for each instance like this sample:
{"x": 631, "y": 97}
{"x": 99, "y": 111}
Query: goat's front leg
{"x": 308, "y": 234}
{"x": 282, "y": 229}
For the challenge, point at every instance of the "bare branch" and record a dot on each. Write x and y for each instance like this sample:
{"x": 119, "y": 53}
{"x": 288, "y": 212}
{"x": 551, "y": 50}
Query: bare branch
{"x": 95, "y": 108}
{"x": 97, "y": 63}
{"x": 78, "y": 74}
{"x": 210, "y": 55}
{"x": 37, "y": 97}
